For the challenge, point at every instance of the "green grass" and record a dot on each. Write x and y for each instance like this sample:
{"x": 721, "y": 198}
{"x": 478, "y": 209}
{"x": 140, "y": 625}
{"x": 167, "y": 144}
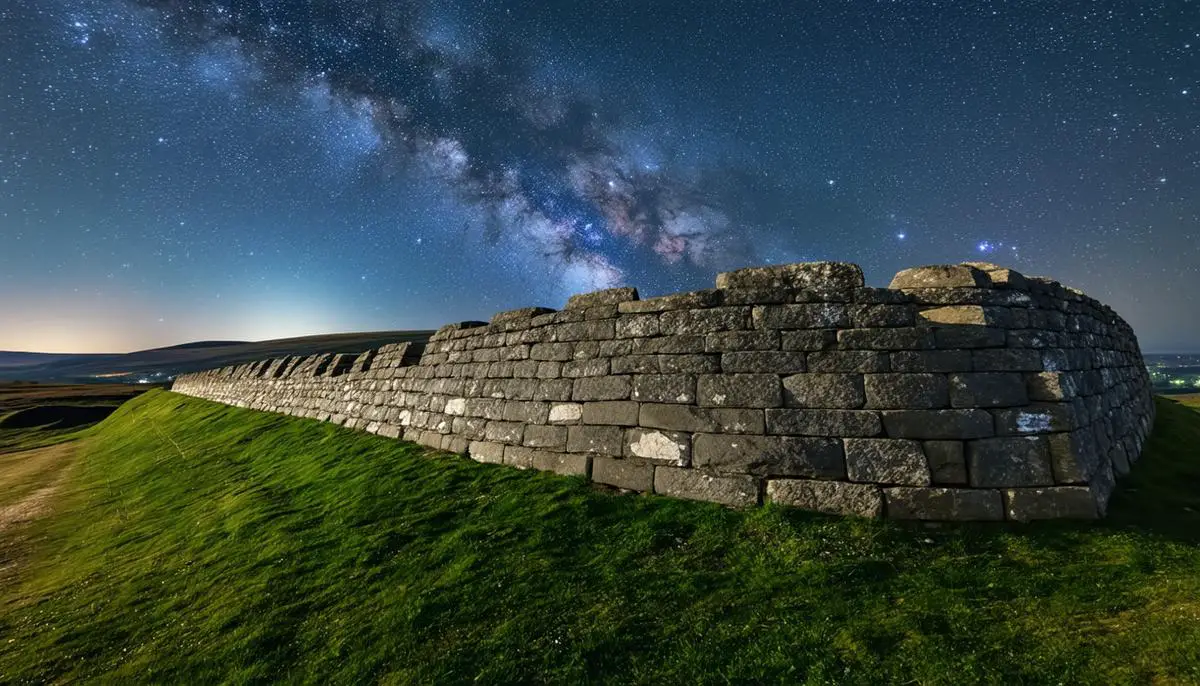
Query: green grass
{"x": 196, "y": 543}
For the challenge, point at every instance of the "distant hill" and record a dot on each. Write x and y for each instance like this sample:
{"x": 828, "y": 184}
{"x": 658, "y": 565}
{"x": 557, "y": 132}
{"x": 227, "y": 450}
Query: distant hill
{"x": 161, "y": 364}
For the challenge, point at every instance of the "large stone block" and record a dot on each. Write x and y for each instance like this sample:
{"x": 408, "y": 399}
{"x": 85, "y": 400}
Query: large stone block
{"x": 987, "y": 389}
{"x": 603, "y": 440}
{"x": 689, "y": 364}
{"x": 941, "y": 276}
{"x": 847, "y": 361}
{"x": 769, "y": 455}
{"x": 562, "y": 463}
{"x": 764, "y": 362}
{"x": 1036, "y": 418}
{"x": 504, "y": 432}
{"x": 802, "y": 316}
{"x": 735, "y": 491}
{"x": 486, "y": 451}
{"x": 662, "y": 447}
{"x": 739, "y": 390}
{"x": 1009, "y": 462}
{"x": 877, "y": 315}
{"x": 609, "y": 296}
{"x": 539, "y": 436}
{"x": 664, "y": 388}
{"x": 977, "y": 315}
{"x": 906, "y": 391}
{"x": 741, "y": 341}
{"x": 637, "y": 326}
{"x": 949, "y": 337}
{"x": 947, "y": 462}
{"x": 824, "y": 422}
{"x": 687, "y": 322}
{"x": 615, "y": 412}
{"x": 695, "y": 419}
{"x": 943, "y": 504}
{"x": 629, "y": 473}
{"x": 819, "y": 276}
{"x": 886, "y": 461}
{"x": 808, "y": 340}
{"x": 675, "y": 301}
{"x": 565, "y": 413}
{"x": 938, "y": 424}
{"x": 931, "y": 361}
{"x": 601, "y": 388}
{"x": 1007, "y": 360}
{"x": 1058, "y": 502}
{"x": 1052, "y": 386}
{"x": 668, "y": 345}
{"x": 900, "y": 338}
{"x": 824, "y": 391}
{"x": 832, "y": 497}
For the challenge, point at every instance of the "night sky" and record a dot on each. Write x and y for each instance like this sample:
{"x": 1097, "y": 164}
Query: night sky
{"x": 188, "y": 170}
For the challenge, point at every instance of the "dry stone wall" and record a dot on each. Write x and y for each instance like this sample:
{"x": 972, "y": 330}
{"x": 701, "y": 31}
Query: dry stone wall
{"x": 960, "y": 392}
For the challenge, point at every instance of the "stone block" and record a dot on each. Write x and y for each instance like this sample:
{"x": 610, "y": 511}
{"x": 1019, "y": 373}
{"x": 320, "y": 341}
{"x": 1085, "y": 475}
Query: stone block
{"x": 741, "y": 341}
{"x": 943, "y": 504}
{"x": 1074, "y": 456}
{"x": 820, "y": 276}
{"x": 802, "y": 316}
{"x": 680, "y": 482}
{"x": 886, "y": 461}
{"x": 1052, "y": 386}
{"x": 604, "y": 440}
{"x": 1009, "y": 462}
{"x": 676, "y": 301}
{"x": 664, "y": 388}
{"x": 868, "y": 316}
{"x": 931, "y": 361}
{"x": 947, "y": 462}
{"x": 847, "y": 361}
{"x": 629, "y": 473}
{"x": 987, "y": 389}
{"x": 557, "y": 352}
{"x": 600, "y": 388}
{"x": 689, "y": 364}
{"x": 938, "y": 424}
{"x": 906, "y": 391}
{"x": 900, "y": 338}
{"x": 1035, "y": 418}
{"x": 808, "y": 340}
{"x": 504, "y": 432}
{"x": 832, "y": 497}
{"x": 769, "y": 455}
{"x": 824, "y": 391}
{"x": 636, "y": 364}
{"x": 526, "y": 412}
{"x": 947, "y": 337}
{"x": 977, "y": 315}
{"x": 562, "y": 463}
{"x": 525, "y": 313}
{"x": 941, "y": 276}
{"x": 583, "y": 368}
{"x": 1007, "y": 360}
{"x": 613, "y": 412}
{"x": 486, "y": 451}
{"x": 540, "y": 436}
{"x": 661, "y": 447}
{"x": 608, "y": 296}
{"x": 1058, "y": 502}
{"x": 519, "y": 457}
{"x": 637, "y": 326}
{"x": 691, "y": 322}
{"x": 764, "y": 362}
{"x": 668, "y": 345}
{"x": 824, "y": 422}
{"x": 739, "y": 390}
{"x": 565, "y": 413}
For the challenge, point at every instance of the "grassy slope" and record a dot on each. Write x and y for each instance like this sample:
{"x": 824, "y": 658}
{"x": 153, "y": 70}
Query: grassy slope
{"x": 196, "y": 542}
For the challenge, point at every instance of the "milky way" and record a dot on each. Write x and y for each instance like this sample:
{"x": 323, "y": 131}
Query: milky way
{"x": 191, "y": 169}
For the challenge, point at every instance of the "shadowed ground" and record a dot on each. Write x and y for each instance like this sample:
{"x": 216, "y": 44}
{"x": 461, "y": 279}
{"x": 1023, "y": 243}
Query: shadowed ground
{"x": 193, "y": 542}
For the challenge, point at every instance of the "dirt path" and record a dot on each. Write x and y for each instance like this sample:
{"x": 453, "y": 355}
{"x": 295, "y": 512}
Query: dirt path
{"x": 48, "y": 466}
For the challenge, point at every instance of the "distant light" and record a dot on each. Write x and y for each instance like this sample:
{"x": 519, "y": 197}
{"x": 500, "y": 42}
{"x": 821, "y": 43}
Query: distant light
{"x": 830, "y": 182}
{"x": 901, "y": 236}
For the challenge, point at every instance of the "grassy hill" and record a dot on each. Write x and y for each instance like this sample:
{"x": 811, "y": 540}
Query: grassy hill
{"x": 187, "y": 542}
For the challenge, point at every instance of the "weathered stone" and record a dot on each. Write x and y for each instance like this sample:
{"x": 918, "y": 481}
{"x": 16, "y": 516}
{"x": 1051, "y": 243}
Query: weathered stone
{"x": 1074, "y": 456}
{"x": 689, "y": 364}
{"x": 877, "y": 315}
{"x": 741, "y": 341}
{"x": 504, "y": 432}
{"x": 605, "y": 440}
{"x": 610, "y": 296}
{"x": 519, "y": 457}
{"x": 769, "y": 455}
{"x": 483, "y": 451}
{"x": 636, "y": 364}
{"x": 832, "y": 497}
{"x": 827, "y": 391}
{"x": 637, "y": 326}
{"x": 938, "y": 424}
{"x": 565, "y": 413}
{"x": 824, "y": 422}
{"x": 764, "y": 362}
{"x": 803, "y": 316}
{"x": 1035, "y": 418}
{"x": 969, "y": 337}
{"x": 848, "y": 361}
{"x": 664, "y": 388}
{"x": 886, "y": 461}
{"x": 931, "y": 361}
{"x": 526, "y": 412}
{"x": 943, "y": 504}
{"x": 941, "y": 276}
{"x": 807, "y": 339}
{"x": 668, "y": 345}
{"x": 1008, "y": 462}
{"x": 906, "y": 391}
{"x": 558, "y": 352}
{"x": 947, "y": 464}
{"x": 803, "y": 275}
{"x": 1052, "y": 386}
{"x": 524, "y": 313}
{"x": 690, "y": 322}
{"x": 662, "y": 447}
{"x": 675, "y": 301}
{"x": 739, "y": 390}
{"x": 977, "y": 315}
{"x": 900, "y": 338}
{"x": 1058, "y": 502}
{"x": 735, "y": 491}
{"x": 987, "y": 389}
{"x": 629, "y": 473}
{"x": 1001, "y": 277}
{"x": 539, "y": 436}
{"x": 601, "y": 388}
{"x": 582, "y": 368}
{"x": 562, "y": 463}
{"x": 1007, "y": 360}
{"x": 615, "y": 412}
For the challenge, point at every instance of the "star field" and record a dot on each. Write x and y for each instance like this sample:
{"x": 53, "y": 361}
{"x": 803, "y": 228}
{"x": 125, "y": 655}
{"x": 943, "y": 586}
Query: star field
{"x": 183, "y": 169}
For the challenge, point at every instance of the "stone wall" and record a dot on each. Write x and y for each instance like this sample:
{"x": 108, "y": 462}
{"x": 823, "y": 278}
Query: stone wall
{"x": 960, "y": 392}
